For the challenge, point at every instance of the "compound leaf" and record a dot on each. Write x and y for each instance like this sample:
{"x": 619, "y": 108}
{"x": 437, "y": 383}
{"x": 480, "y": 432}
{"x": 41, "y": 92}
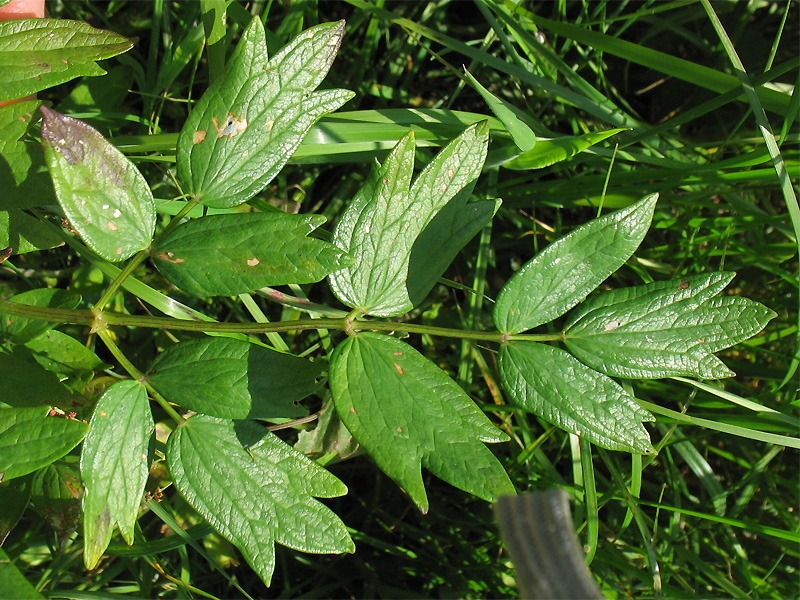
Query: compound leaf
{"x": 558, "y": 388}
{"x": 255, "y": 490}
{"x": 664, "y": 329}
{"x": 235, "y": 379}
{"x": 251, "y": 120}
{"x": 105, "y": 197}
{"x": 225, "y": 255}
{"x": 31, "y": 439}
{"x": 36, "y": 54}
{"x": 114, "y": 466}
{"x": 403, "y": 237}
{"x": 407, "y": 413}
{"x": 566, "y": 271}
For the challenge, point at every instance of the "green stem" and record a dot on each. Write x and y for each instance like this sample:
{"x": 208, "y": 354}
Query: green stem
{"x": 101, "y": 320}
{"x": 139, "y": 258}
{"x": 137, "y": 375}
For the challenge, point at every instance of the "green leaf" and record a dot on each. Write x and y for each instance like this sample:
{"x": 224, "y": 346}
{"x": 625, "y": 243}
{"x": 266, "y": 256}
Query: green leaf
{"x": 56, "y": 492}
{"x": 225, "y": 255}
{"x": 251, "y": 120}
{"x": 401, "y": 238}
{"x": 26, "y": 383}
{"x": 61, "y": 353}
{"x": 330, "y": 435}
{"x": 664, "y": 329}
{"x": 25, "y": 182}
{"x": 234, "y": 379}
{"x": 13, "y": 582}
{"x": 255, "y": 490}
{"x": 14, "y": 498}
{"x": 512, "y": 118}
{"x": 105, "y": 197}
{"x": 566, "y": 271}
{"x": 114, "y": 466}
{"x": 407, "y": 413}
{"x": 550, "y": 151}
{"x": 20, "y": 330}
{"x": 31, "y": 439}
{"x": 558, "y": 388}
{"x": 36, "y": 54}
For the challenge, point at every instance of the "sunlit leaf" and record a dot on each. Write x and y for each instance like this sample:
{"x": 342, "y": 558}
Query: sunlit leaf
{"x": 566, "y": 271}
{"x": 402, "y": 236}
{"x": 251, "y": 120}
{"x": 104, "y": 196}
{"x": 664, "y": 329}
{"x": 225, "y": 255}
{"x": 563, "y": 391}
{"x": 550, "y": 151}
{"x": 36, "y": 54}
{"x": 407, "y": 413}
{"x": 114, "y": 466}
{"x": 255, "y": 490}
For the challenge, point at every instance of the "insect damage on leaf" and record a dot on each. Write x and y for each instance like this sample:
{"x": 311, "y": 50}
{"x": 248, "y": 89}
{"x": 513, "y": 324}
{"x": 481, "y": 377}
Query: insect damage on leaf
{"x": 231, "y": 128}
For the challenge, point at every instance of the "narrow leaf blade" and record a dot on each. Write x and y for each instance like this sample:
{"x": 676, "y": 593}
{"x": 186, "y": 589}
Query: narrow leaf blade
{"x": 558, "y": 388}
{"x": 31, "y": 439}
{"x": 225, "y": 255}
{"x": 105, "y": 197}
{"x": 114, "y": 466}
{"x": 664, "y": 329}
{"x": 566, "y": 271}
{"x": 252, "y": 119}
{"x": 407, "y": 413}
{"x": 257, "y": 496}
{"x": 234, "y": 379}
{"x": 550, "y": 151}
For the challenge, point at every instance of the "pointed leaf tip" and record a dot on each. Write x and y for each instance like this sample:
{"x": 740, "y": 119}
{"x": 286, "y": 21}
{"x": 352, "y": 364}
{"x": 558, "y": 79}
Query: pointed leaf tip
{"x": 567, "y": 270}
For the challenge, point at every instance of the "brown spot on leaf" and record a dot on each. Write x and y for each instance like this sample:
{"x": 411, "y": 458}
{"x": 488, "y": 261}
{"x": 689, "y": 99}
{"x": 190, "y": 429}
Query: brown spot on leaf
{"x": 111, "y": 226}
{"x": 231, "y": 127}
{"x": 683, "y": 284}
{"x": 253, "y": 262}
{"x": 198, "y": 136}
{"x": 399, "y": 369}
{"x": 169, "y": 257}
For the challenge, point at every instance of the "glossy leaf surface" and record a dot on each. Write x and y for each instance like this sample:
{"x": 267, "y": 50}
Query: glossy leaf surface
{"x": 402, "y": 236}
{"x": 407, "y": 413}
{"x": 104, "y": 196}
{"x": 255, "y": 490}
{"x": 558, "y": 388}
{"x": 114, "y": 466}
{"x": 36, "y": 54}
{"x": 31, "y": 439}
{"x": 566, "y": 271}
{"x": 664, "y": 329}
{"x": 252, "y": 119}
{"x": 234, "y": 379}
{"x": 225, "y": 255}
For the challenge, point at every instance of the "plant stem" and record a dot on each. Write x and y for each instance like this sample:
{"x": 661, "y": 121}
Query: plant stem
{"x": 139, "y": 258}
{"x": 100, "y": 320}
{"x": 137, "y": 375}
